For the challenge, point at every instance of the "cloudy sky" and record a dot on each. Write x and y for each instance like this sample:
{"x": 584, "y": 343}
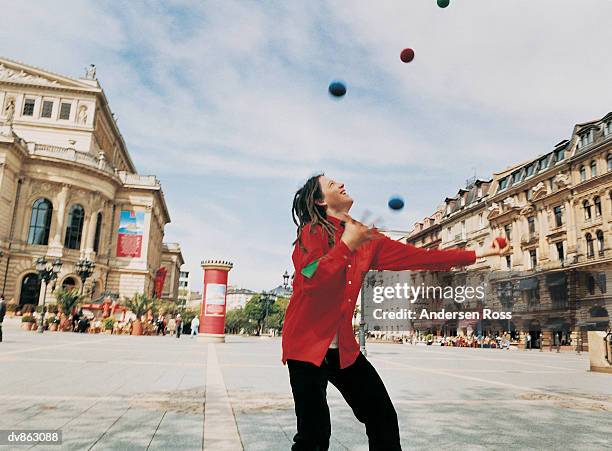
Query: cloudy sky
{"x": 226, "y": 101}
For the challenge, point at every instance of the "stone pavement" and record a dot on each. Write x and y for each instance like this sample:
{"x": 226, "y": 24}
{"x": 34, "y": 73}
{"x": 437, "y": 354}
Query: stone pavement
{"x": 120, "y": 392}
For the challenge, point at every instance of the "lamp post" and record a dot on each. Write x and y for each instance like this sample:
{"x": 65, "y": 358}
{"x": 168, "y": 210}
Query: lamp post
{"x": 286, "y": 280}
{"x": 84, "y": 268}
{"x": 269, "y": 299}
{"x": 47, "y": 272}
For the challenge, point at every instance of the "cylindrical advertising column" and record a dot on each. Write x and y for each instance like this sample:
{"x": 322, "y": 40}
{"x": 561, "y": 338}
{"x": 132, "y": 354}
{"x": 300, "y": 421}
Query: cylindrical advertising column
{"x": 212, "y": 311}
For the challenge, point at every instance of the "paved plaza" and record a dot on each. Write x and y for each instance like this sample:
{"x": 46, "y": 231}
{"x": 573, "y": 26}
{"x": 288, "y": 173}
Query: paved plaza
{"x": 122, "y": 392}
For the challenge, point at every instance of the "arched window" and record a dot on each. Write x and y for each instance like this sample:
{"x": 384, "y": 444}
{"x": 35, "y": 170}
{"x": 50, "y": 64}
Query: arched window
{"x": 593, "y": 168}
{"x": 600, "y": 242}
{"x": 589, "y": 244}
{"x": 96, "y": 243}
{"x": 582, "y": 173}
{"x": 30, "y": 289}
{"x": 610, "y": 162}
{"x": 597, "y": 203}
{"x": 75, "y": 227}
{"x": 40, "y": 222}
{"x": 587, "y": 210}
{"x": 69, "y": 283}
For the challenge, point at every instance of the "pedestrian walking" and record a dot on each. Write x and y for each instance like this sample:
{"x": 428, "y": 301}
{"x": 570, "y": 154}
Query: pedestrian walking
{"x": 528, "y": 340}
{"x": 332, "y": 254}
{"x": 195, "y": 325}
{"x": 2, "y": 313}
{"x": 179, "y": 325}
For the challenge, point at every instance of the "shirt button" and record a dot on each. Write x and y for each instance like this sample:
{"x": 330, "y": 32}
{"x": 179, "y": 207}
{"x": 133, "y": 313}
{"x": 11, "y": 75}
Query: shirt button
{"x": 349, "y": 300}
{"x": 349, "y": 266}
{"x": 350, "y": 282}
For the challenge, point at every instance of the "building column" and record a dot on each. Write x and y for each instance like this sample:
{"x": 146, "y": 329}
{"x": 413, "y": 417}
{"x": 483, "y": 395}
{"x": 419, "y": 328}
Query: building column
{"x": 56, "y": 244}
{"x": 543, "y": 227}
{"x": 90, "y": 233}
{"x": 570, "y": 228}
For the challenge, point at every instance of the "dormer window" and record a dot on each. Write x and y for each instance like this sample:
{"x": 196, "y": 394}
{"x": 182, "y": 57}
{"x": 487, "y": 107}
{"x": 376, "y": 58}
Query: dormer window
{"x": 530, "y": 169}
{"x": 463, "y": 201}
{"x": 585, "y": 139}
{"x": 582, "y": 173}
{"x": 543, "y": 163}
{"x": 480, "y": 187}
{"x": 608, "y": 128}
{"x": 559, "y": 155}
{"x": 503, "y": 184}
{"x": 516, "y": 177}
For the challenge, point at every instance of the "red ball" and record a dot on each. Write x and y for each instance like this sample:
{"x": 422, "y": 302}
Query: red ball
{"x": 407, "y": 55}
{"x": 501, "y": 241}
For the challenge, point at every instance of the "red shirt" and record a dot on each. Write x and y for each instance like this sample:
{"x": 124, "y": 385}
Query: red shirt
{"x": 323, "y": 304}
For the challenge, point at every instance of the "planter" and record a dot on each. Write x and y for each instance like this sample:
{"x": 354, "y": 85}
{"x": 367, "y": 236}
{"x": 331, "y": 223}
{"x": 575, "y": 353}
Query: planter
{"x": 26, "y": 326}
{"x": 137, "y": 328}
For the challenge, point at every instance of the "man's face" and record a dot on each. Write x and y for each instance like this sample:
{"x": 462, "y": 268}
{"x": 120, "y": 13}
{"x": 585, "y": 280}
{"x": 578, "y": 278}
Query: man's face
{"x": 334, "y": 195}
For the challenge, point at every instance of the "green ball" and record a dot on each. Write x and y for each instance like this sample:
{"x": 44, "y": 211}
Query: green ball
{"x": 443, "y": 3}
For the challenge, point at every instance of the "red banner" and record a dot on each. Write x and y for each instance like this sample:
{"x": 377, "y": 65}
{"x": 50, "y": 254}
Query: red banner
{"x": 160, "y": 278}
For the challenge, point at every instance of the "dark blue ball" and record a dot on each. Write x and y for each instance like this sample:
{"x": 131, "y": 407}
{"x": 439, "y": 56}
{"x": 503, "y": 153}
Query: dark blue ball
{"x": 396, "y": 203}
{"x": 337, "y": 89}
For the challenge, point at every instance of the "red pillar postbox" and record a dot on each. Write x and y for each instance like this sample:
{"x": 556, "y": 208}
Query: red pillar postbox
{"x": 212, "y": 310}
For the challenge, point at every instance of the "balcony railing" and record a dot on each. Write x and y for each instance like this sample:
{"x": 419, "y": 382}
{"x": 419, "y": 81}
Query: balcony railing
{"x": 138, "y": 180}
{"x": 69, "y": 154}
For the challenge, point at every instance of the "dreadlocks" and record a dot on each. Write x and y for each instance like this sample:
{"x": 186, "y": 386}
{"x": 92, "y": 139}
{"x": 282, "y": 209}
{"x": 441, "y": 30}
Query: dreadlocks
{"x": 305, "y": 210}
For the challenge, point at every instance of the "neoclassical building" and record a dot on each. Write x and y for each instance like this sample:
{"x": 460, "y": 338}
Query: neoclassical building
{"x": 70, "y": 191}
{"x": 556, "y": 212}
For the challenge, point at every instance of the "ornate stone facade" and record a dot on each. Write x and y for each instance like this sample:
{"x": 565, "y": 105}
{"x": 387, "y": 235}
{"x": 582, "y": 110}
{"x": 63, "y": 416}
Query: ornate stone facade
{"x": 67, "y": 185}
{"x": 556, "y": 212}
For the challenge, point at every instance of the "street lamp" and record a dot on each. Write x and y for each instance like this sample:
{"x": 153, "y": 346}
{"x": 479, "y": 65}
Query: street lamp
{"x": 286, "y": 280}
{"x": 47, "y": 272}
{"x": 84, "y": 268}
{"x": 269, "y": 299}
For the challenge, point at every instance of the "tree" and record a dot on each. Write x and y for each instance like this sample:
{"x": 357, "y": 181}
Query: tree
{"x": 67, "y": 300}
{"x": 235, "y": 321}
{"x": 266, "y": 311}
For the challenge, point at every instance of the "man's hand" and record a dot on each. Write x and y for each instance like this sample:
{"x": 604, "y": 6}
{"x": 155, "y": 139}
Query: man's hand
{"x": 355, "y": 233}
{"x": 493, "y": 250}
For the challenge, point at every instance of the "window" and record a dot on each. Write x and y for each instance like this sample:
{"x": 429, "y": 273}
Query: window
{"x": 480, "y": 220}
{"x": 602, "y": 282}
{"x": 551, "y": 184}
{"x": 600, "y": 242}
{"x": 531, "y": 226}
{"x": 47, "y": 109}
{"x": 585, "y": 139}
{"x": 558, "y": 211}
{"x": 516, "y": 177}
{"x": 597, "y": 203}
{"x": 593, "y": 168}
{"x": 610, "y": 162}
{"x": 533, "y": 258}
{"x": 463, "y": 229}
{"x": 65, "y": 111}
{"x": 582, "y": 173}
{"x": 560, "y": 253}
{"x": 40, "y": 222}
{"x": 503, "y": 184}
{"x": 559, "y": 155}
{"x": 28, "y": 107}
{"x": 530, "y": 169}
{"x": 590, "y": 284}
{"x": 508, "y": 231}
{"x": 589, "y": 245}
{"x": 528, "y": 194}
{"x": 96, "y": 244}
{"x": 587, "y": 210}
{"x": 75, "y": 227}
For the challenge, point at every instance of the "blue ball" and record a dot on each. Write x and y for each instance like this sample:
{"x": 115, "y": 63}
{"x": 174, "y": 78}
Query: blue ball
{"x": 396, "y": 203}
{"x": 337, "y": 89}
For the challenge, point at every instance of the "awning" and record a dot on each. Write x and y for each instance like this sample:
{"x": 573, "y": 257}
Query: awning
{"x": 531, "y": 283}
{"x": 555, "y": 279}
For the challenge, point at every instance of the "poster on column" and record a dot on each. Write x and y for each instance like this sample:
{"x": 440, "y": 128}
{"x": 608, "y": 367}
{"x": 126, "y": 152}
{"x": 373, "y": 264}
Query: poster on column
{"x": 131, "y": 231}
{"x": 214, "y": 299}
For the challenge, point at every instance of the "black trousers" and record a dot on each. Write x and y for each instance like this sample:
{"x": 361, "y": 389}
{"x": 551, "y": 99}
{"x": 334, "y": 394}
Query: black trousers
{"x": 0, "y": 332}
{"x": 361, "y": 387}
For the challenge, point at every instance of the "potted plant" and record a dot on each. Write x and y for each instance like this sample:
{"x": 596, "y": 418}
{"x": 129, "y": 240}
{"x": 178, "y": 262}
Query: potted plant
{"x": 11, "y": 308}
{"x": 53, "y": 323}
{"x": 66, "y": 302}
{"x": 108, "y": 324}
{"x": 27, "y": 321}
{"x": 138, "y": 304}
